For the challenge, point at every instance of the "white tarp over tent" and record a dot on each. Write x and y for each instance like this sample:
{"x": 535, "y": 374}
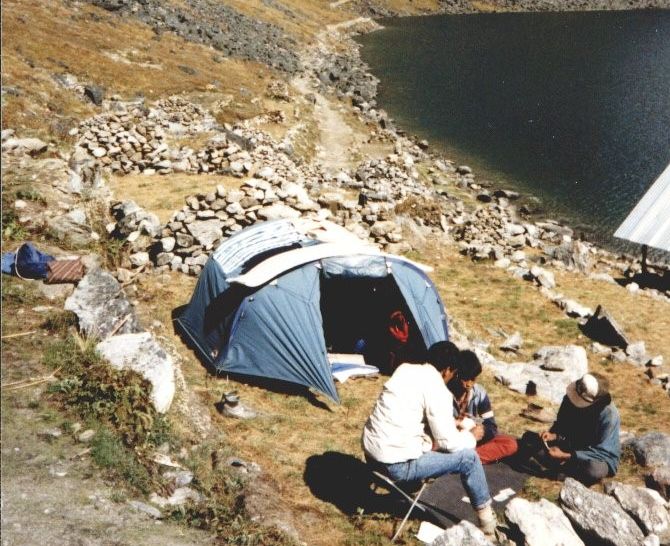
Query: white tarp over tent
{"x": 649, "y": 222}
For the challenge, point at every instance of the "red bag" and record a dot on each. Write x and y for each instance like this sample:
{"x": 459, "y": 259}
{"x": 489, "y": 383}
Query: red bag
{"x": 60, "y": 271}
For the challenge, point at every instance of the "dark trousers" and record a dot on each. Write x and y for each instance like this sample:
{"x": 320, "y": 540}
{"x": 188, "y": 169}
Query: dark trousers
{"x": 533, "y": 457}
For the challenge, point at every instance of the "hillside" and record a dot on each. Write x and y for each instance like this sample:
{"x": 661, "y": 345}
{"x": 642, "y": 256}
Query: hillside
{"x": 139, "y": 135}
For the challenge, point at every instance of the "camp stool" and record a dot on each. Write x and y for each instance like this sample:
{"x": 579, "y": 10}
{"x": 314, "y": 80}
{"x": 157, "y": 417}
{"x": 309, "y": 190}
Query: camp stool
{"x": 414, "y": 502}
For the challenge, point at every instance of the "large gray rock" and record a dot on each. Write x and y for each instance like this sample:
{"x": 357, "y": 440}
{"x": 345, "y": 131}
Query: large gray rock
{"x": 543, "y": 277}
{"x": 463, "y": 534}
{"x": 541, "y": 523}
{"x": 143, "y": 354}
{"x": 278, "y": 211}
{"x": 571, "y": 358}
{"x": 31, "y": 146}
{"x": 652, "y": 449}
{"x": 547, "y": 376}
{"x": 602, "y": 327}
{"x": 101, "y": 306}
{"x": 206, "y": 232}
{"x": 646, "y": 507}
{"x": 71, "y": 228}
{"x": 659, "y": 479}
{"x": 574, "y": 254}
{"x": 598, "y": 518}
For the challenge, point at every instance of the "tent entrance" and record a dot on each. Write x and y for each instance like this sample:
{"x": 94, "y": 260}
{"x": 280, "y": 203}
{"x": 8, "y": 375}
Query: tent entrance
{"x": 355, "y": 313}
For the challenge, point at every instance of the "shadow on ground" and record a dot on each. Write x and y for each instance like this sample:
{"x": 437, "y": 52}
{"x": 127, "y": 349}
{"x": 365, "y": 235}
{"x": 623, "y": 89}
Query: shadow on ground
{"x": 347, "y": 483}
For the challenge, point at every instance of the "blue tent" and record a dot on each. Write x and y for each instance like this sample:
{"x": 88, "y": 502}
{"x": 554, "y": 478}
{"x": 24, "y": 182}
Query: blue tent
{"x": 275, "y": 297}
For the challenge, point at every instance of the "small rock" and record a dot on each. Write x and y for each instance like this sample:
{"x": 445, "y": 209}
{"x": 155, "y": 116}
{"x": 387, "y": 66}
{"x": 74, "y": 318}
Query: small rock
{"x": 512, "y": 343}
{"x": 657, "y": 361}
{"x": 151, "y": 511}
{"x": 86, "y": 436}
{"x": 463, "y": 534}
{"x": 95, "y": 94}
{"x": 637, "y": 353}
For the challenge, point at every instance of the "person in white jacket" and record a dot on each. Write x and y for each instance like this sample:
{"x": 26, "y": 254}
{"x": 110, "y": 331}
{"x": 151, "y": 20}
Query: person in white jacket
{"x": 411, "y": 434}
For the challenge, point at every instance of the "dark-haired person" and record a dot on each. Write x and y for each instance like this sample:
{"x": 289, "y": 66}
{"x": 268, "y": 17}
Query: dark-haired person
{"x": 395, "y": 438}
{"x": 388, "y": 347}
{"x": 473, "y": 411}
{"x": 583, "y": 442}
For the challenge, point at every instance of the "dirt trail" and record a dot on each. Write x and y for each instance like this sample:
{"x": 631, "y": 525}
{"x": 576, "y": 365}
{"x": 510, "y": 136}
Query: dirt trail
{"x": 338, "y": 141}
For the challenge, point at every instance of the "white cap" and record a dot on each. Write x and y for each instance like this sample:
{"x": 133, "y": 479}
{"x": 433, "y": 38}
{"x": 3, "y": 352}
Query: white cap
{"x": 583, "y": 392}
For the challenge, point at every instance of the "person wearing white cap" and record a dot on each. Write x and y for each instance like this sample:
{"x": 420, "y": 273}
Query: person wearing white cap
{"x": 583, "y": 442}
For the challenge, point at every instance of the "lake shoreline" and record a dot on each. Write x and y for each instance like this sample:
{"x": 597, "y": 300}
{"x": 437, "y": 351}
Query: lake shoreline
{"x": 597, "y": 233}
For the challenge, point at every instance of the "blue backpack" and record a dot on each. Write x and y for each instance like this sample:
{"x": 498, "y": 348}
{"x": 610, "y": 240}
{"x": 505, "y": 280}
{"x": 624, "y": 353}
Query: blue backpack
{"x": 27, "y": 262}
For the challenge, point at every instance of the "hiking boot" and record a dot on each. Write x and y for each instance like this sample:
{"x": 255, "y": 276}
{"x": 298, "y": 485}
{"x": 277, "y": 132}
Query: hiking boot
{"x": 538, "y": 413}
{"x": 487, "y": 520}
{"x": 231, "y": 406}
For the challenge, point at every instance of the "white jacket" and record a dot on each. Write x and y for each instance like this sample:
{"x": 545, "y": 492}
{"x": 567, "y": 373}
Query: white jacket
{"x": 414, "y": 396}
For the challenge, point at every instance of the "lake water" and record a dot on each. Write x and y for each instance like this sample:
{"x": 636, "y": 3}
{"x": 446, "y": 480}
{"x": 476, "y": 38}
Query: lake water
{"x": 573, "y": 108}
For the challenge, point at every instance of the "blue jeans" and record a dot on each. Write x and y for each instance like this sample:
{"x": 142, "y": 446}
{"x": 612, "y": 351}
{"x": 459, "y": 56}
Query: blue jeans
{"x": 434, "y": 464}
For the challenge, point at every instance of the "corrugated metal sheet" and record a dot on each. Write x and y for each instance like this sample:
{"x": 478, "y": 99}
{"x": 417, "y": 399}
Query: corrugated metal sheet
{"x": 649, "y": 222}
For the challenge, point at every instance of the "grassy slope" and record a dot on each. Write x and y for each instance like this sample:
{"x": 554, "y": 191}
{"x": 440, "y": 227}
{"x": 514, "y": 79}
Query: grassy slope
{"x": 46, "y": 37}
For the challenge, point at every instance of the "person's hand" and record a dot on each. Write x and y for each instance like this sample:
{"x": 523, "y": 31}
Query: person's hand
{"x": 548, "y": 436}
{"x": 478, "y": 432}
{"x": 558, "y": 454}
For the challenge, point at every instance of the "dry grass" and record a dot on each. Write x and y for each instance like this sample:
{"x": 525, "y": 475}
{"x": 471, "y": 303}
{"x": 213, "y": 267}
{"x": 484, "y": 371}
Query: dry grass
{"x": 163, "y": 195}
{"x": 294, "y": 429}
{"x": 41, "y": 39}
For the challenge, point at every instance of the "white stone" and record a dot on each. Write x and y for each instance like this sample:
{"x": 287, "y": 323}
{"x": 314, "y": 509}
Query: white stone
{"x": 633, "y": 287}
{"x": 138, "y": 259}
{"x": 168, "y": 244}
{"x": 142, "y": 353}
{"x": 541, "y": 523}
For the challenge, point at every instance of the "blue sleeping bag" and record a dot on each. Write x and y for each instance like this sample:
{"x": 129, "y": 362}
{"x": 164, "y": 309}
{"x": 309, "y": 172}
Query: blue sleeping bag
{"x": 27, "y": 262}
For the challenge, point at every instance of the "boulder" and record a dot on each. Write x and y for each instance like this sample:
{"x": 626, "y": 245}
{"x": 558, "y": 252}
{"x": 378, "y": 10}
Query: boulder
{"x": 277, "y": 211}
{"x": 512, "y": 343}
{"x": 95, "y": 94}
{"x": 570, "y": 357}
{"x": 574, "y": 254}
{"x": 541, "y": 523}
{"x": 30, "y": 146}
{"x": 602, "y": 327}
{"x": 598, "y": 518}
{"x": 463, "y": 534}
{"x": 637, "y": 353}
{"x": 659, "y": 479}
{"x": 652, "y": 449}
{"x": 543, "y": 277}
{"x": 142, "y": 353}
{"x": 574, "y": 309}
{"x": 645, "y": 506}
{"x": 206, "y": 232}
{"x": 547, "y": 376}
{"x": 101, "y": 306}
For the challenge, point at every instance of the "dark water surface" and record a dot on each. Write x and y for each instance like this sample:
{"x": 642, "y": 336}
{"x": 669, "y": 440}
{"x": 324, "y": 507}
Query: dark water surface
{"x": 571, "y": 107}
